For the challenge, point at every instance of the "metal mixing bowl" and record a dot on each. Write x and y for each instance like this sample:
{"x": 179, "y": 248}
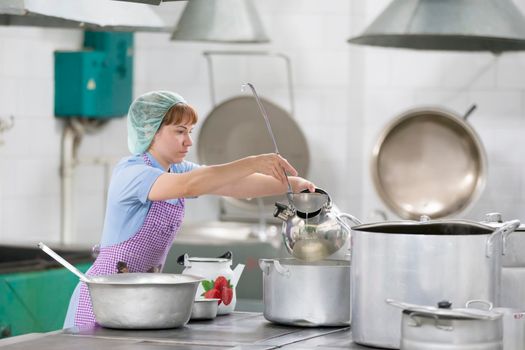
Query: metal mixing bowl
{"x": 143, "y": 300}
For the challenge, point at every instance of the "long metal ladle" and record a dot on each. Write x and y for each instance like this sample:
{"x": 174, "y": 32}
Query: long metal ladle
{"x": 63, "y": 262}
{"x": 289, "y": 193}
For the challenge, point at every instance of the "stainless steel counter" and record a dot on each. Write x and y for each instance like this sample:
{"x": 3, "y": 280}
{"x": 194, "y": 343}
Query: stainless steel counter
{"x": 240, "y": 331}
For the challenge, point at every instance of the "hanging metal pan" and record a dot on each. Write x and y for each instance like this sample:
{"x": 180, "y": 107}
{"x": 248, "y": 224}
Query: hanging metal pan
{"x": 234, "y": 129}
{"x": 429, "y": 161}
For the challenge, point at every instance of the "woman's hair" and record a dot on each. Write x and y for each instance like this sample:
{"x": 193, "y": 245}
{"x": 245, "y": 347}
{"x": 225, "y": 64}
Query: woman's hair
{"x": 181, "y": 113}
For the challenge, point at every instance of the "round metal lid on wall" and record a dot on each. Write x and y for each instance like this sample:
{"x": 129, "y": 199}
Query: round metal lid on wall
{"x": 234, "y": 129}
{"x": 428, "y": 161}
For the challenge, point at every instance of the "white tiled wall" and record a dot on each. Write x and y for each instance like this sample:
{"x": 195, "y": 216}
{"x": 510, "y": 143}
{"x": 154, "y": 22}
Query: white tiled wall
{"x": 397, "y": 80}
{"x": 344, "y": 95}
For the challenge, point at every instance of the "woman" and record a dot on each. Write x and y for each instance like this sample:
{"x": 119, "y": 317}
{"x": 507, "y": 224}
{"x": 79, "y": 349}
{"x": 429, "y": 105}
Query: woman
{"x": 145, "y": 205}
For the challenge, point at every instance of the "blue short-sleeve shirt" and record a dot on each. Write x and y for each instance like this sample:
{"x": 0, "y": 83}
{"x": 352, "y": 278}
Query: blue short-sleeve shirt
{"x": 128, "y": 203}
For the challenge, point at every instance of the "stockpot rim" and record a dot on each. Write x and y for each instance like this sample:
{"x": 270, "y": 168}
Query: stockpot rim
{"x": 297, "y": 263}
{"x": 449, "y": 227}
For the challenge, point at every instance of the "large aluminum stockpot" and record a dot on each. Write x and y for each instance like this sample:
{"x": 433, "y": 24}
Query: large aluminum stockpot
{"x": 306, "y": 294}
{"x": 143, "y": 300}
{"x": 419, "y": 262}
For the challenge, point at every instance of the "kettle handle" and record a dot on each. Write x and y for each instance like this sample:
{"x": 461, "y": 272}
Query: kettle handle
{"x": 321, "y": 191}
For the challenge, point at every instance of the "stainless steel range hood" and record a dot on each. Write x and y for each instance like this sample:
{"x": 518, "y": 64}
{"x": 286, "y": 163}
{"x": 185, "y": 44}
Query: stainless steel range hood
{"x": 150, "y": 2}
{"x": 86, "y": 14}
{"x": 223, "y": 21}
{"x": 456, "y": 25}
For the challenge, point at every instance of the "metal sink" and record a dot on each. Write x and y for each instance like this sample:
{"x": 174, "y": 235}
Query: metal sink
{"x": 23, "y": 258}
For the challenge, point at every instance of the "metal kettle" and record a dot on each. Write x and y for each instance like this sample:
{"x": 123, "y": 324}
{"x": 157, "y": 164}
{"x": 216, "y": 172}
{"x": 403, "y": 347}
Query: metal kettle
{"x": 312, "y": 229}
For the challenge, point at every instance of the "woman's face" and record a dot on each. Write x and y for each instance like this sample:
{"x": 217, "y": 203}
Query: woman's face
{"x": 172, "y": 142}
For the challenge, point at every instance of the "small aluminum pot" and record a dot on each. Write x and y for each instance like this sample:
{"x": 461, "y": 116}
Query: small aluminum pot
{"x": 306, "y": 294}
{"x": 513, "y": 328}
{"x": 205, "y": 309}
{"x": 143, "y": 300}
{"x": 430, "y": 328}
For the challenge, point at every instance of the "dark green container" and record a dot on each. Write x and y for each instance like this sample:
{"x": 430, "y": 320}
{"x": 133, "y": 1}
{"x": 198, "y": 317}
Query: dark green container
{"x": 35, "y": 301}
{"x": 35, "y": 290}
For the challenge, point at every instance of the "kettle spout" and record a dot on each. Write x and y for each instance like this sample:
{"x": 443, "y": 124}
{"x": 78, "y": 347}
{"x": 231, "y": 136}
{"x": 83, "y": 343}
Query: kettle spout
{"x": 237, "y": 271}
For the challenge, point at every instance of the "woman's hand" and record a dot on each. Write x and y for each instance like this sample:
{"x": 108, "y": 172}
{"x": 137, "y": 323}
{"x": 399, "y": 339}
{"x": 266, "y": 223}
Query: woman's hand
{"x": 299, "y": 184}
{"x": 273, "y": 165}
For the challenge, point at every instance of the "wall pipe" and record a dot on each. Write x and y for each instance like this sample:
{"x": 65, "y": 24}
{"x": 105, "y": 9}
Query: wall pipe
{"x": 67, "y": 167}
{"x": 74, "y": 131}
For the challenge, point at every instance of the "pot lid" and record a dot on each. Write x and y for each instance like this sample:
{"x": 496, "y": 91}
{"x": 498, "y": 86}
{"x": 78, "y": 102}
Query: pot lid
{"x": 235, "y": 129}
{"x": 427, "y": 227}
{"x": 444, "y": 312}
{"x": 209, "y": 260}
{"x": 428, "y": 161}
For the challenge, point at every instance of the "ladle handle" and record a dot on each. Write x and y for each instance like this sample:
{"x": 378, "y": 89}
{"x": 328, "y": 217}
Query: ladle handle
{"x": 269, "y": 127}
{"x": 63, "y": 262}
{"x": 263, "y": 112}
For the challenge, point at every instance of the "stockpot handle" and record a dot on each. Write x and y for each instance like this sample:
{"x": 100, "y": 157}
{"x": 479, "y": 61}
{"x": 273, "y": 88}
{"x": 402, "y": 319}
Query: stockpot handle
{"x": 349, "y": 217}
{"x": 264, "y": 264}
{"x": 417, "y": 323}
{"x": 281, "y": 269}
{"x": 505, "y": 234}
{"x": 506, "y": 229}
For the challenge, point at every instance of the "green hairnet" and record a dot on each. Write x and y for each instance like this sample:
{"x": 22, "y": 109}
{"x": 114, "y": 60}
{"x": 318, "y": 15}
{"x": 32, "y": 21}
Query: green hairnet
{"x": 145, "y": 116}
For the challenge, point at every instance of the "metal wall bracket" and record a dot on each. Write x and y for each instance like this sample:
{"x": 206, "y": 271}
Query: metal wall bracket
{"x": 209, "y": 54}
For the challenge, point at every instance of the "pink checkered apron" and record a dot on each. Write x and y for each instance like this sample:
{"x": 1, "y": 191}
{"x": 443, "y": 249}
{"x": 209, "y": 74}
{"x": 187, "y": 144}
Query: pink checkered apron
{"x": 145, "y": 250}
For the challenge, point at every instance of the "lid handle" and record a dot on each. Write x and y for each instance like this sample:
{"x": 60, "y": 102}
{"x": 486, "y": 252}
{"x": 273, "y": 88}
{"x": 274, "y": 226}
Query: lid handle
{"x": 444, "y": 304}
{"x": 227, "y": 255}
